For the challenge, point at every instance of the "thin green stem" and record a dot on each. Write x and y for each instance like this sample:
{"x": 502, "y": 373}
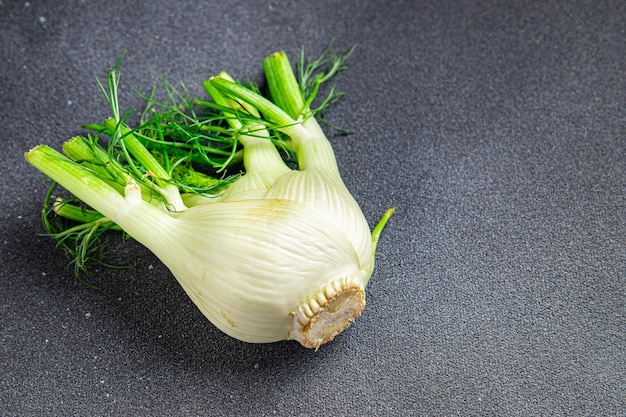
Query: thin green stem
{"x": 375, "y": 237}
{"x": 64, "y": 208}
{"x": 381, "y": 225}
{"x": 271, "y": 111}
{"x": 137, "y": 149}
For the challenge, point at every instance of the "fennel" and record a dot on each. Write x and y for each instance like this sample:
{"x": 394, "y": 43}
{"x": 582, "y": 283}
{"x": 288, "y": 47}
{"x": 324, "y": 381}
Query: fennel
{"x": 278, "y": 250}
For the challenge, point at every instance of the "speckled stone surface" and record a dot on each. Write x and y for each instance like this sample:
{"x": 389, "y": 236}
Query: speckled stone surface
{"x": 498, "y": 132}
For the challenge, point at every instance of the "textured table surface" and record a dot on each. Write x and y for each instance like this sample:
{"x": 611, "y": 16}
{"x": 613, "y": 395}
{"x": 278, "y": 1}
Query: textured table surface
{"x": 497, "y": 131}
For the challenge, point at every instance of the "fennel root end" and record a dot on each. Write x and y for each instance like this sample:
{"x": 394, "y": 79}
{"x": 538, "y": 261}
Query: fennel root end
{"x": 328, "y": 312}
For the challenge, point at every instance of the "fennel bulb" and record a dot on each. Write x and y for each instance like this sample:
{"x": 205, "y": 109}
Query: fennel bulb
{"x": 276, "y": 253}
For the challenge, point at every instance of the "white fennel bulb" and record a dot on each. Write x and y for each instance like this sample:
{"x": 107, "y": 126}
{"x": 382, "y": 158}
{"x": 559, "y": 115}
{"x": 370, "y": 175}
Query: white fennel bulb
{"x": 280, "y": 254}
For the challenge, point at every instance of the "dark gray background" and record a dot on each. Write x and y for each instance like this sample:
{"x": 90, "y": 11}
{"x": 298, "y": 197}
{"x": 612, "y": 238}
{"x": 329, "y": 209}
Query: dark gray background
{"x": 497, "y": 130}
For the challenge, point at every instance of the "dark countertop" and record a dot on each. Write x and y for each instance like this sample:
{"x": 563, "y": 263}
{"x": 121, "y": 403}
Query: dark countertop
{"x": 497, "y": 131}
